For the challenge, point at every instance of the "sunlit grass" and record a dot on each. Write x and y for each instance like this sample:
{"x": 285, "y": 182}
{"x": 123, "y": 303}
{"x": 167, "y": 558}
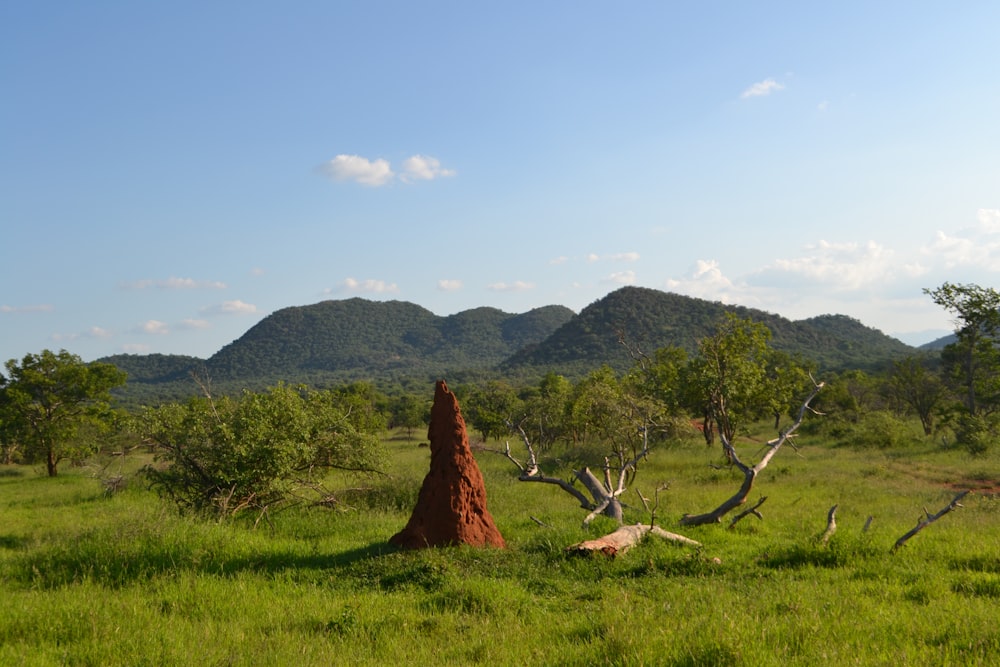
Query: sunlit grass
{"x": 88, "y": 579}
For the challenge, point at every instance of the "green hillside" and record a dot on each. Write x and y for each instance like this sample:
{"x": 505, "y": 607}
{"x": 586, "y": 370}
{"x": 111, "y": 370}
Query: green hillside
{"x": 398, "y": 342}
{"x": 649, "y": 319}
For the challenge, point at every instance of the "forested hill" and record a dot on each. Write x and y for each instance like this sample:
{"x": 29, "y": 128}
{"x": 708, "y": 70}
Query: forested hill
{"x": 648, "y": 319}
{"x": 376, "y": 338}
{"x": 345, "y": 340}
{"x": 357, "y": 339}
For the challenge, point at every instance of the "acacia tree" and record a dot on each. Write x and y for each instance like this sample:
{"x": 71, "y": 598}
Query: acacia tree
{"x": 972, "y": 362}
{"x": 913, "y": 386}
{"x": 46, "y": 400}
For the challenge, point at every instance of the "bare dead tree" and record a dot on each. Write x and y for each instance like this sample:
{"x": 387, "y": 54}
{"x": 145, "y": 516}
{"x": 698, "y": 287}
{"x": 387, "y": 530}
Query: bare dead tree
{"x": 928, "y": 519}
{"x": 605, "y": 494}
{"x": 750, "y": 472}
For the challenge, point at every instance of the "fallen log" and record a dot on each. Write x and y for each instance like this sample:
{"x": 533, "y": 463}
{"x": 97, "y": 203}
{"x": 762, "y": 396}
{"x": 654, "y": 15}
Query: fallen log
{"x": 625, "y": 538}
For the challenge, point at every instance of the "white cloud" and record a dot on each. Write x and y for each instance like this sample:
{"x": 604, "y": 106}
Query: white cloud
{"x": 449, "y": 285}
{"x": 359, "y": 170}
{"x": 135, "y": 348}
{"x": 615, "y": 257}
{"x": 92, "y": 332}
{"x": 235, "y": 307}
{"x": 257, "y": 271}
{"x": 39, "y": 308}
{"x": 989, "y": 219}
{"x": 841, "y": 266}
{"x": 622, "y": 278}
{"x": 423, "y": 168}
{"x": 154, "y": 327}
{"x": 972, "y": 247}
{"x": 824, "y": 105}
{"x": 762, "y": 88}
{"x": 177, "y": 283}
{"x": 516, "y": 286}
{"x": 705, "y": 281}
{"x": 191, "y": 323}
{"x": 366, "y": 286}
{"x": 558, "y": 260}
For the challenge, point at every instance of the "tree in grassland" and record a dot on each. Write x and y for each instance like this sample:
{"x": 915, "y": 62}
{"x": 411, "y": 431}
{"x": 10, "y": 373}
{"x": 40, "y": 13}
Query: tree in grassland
{"x": 972, "y": 362}
{"x": 48, "y": 398}
{"x": 915, "y": 388}
{"x": 727, "y": 381}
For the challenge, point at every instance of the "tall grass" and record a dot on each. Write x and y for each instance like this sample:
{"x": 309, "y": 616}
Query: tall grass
{"x": 88, "y": 579}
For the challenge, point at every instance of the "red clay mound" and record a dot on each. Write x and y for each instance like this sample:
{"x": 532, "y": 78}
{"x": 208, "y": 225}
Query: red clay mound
{"x": 451, "y": 507}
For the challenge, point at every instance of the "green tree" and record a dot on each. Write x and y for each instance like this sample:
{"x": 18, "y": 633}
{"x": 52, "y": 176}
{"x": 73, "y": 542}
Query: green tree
{"x": 914, "y": 388}
{"x": 253, "y": 451}
{"x": 48, "y": 398}
{"x": 972, "y": 362}
{"x": 409, "y": 412}
{"x": 492, "y": 408}
{"x": 973, "y": 359}
{"x": 727, "y": 381}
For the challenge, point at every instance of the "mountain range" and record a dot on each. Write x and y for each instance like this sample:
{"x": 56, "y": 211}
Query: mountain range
{"x": 398, "y": 342}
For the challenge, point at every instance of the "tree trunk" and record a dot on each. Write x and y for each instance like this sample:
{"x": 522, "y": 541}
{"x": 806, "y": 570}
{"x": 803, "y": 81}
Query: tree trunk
{"x": 51, "y": 462}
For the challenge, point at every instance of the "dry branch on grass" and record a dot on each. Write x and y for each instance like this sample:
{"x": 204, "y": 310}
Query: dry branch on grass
{"x": 627, "y": 537}
{"x": 749, "y": 472}
{"x": 928, "y": 519}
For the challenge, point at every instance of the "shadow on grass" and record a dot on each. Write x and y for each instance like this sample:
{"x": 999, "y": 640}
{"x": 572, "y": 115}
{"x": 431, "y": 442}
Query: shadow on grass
{"x": 120, "y": 565}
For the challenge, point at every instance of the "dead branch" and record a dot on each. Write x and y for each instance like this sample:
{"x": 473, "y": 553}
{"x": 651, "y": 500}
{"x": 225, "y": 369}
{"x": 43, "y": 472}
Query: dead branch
{"x": 625, "y": 538}
{"x": 748, "y": 512}
{"x": 928, "y": 519}
{"x": 831, "y": 526}
{"x": 750, "y": 472}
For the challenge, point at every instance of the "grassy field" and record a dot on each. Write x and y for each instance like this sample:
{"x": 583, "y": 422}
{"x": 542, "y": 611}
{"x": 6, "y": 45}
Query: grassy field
{"x": 87, "y": 579}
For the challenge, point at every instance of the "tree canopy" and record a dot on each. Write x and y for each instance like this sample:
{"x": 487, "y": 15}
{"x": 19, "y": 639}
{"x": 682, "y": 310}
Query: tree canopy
{"x": 48, "y": 397}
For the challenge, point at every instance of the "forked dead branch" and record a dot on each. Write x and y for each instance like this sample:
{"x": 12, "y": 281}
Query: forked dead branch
{"x": 750, "y": 472}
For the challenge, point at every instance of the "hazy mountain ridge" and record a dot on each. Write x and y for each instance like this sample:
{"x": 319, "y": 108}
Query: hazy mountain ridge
{"x": 357, "y": 339}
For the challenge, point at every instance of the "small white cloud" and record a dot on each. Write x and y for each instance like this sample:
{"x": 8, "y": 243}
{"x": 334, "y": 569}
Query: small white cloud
{"x": 359, "y": 170}
{"x": 235, "y": 307}
{"x": 424, "y": 168}
{"x": 191, "y": 323}
{"x": 622, "y": 278}
{"x": 99, "y": 332}
{"x": 761, "y": 89}
{"x": 39, "y": 308}
{"x": 516, "y": 286}
{"x": 449, "y": 285}
{"x": 705, "y": 280}
{"x": 177, "y": 283}
{"x": 257, "y": 271}
{"x": 558, "y": 260}
{"x": 365, "y": 286}
{"x": 616, "y": 257}
{"x": 154, "y": 327}
{"x": 824, "y": 105}
{"x": 135, "y": 348}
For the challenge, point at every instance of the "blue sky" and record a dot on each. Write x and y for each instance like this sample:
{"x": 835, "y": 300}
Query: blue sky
{"x": 171, "y": 173}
